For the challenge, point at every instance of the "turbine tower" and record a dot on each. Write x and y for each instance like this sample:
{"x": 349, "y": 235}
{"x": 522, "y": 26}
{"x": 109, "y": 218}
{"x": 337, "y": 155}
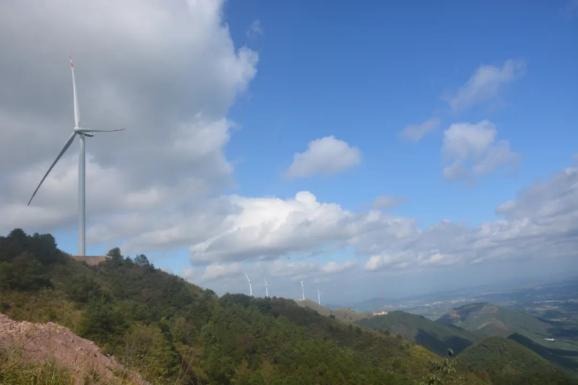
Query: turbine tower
{"x": 302, "y": 291}
{"x": 266, "y": 289}
{"x": 250, "y": 286}
{"x": 318, "y": 297}
{"x": 82, "y": 134}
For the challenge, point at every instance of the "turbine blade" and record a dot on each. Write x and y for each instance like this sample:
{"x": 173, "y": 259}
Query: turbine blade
{"x": 75, "y": 99}
{"x": 66, "y": 145}
{"x": 88, "y": 130}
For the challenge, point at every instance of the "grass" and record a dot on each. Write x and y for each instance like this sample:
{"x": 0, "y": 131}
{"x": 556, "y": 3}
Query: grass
{"x": 15, "y": 371}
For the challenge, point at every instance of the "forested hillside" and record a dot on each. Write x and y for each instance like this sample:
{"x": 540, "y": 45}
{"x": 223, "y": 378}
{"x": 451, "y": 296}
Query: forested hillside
{"x": 437, "y": 337}
{"x": 173, "y": 332}
{"x": 506, "y": 362}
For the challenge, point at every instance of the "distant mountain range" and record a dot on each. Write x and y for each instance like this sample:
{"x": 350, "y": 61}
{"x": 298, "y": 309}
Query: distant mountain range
{"x": 492, "y": 320}
{"x": 548, "y": 339}
{"x": 467, "y": 326}
{"x": 435, "y": 336}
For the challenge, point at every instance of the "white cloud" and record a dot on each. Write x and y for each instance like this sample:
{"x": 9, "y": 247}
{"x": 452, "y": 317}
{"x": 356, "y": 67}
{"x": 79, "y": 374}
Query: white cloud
{"x": 333, "y": 267}
{"x": 415, "y": 132}
{"x": 324, "y": 156}
{"x": 471, "y": 150}
{"x": 166, "y": 71}
{"x": 160, "y": 183}
{"x": 485, "y": 84}
{"x": 271, "y": 227}
{"x": 540, "y": 223}
{"x": 219, "y": 270}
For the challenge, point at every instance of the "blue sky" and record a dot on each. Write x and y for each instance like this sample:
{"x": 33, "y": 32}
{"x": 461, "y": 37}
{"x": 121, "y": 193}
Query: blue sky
{"x": 363, "y": 72}
{"x": 391, "y": 147}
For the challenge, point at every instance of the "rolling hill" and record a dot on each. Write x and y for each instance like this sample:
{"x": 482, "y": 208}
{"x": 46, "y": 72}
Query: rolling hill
{"x": 434, "y": 336}
{"x": 490, "y": 320}
{"x": 535, "y": 334}
{"x": 505, "y": 362}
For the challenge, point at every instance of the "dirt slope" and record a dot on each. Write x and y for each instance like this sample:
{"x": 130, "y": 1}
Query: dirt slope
{"x": 49, "y": 342}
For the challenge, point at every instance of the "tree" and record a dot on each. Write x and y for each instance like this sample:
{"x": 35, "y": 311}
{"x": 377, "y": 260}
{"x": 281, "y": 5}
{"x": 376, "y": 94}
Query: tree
{"x": 142, "y": 260}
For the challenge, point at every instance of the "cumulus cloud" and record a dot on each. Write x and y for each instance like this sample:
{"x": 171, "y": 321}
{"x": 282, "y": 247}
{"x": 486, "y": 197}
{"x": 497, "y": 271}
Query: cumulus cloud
{"x": 271, "y": 227}
{"x": 324, "y": 156}
{"x": 415, "y": 132}
{"x": 485, "y": 84}
{"x": 167, "y": 71}
{"x": 471, "y": 150}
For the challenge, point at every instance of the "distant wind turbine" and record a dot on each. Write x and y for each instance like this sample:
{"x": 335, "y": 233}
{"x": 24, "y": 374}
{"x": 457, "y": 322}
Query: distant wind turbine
{"x": 250, "y": 286}
{"x": 266, "y": 289}
{"x": 82, "y": 133}
{"x": 302, "y": 291}
{"x": 318, "y": 296}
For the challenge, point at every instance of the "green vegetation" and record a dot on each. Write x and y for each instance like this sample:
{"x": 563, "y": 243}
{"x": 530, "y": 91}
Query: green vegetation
{"x": 434, "y": 336}
{"x": 505, "y": 362}
{"x": 565, "y": 358}
{"x": 487, "y": 320}
{"x": 173, "y": 332}
{"x": 14, "y": 371}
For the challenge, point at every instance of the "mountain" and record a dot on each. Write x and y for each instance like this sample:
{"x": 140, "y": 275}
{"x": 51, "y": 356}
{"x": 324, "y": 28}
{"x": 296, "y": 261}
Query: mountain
{"x": 489, "y": 320}
{"x": 540, "y": 336}
{"x": 505, "y": 362}
{"x": 173, "y": 332}
{"x": 564, "y": 358}
{"x": 436, "y": 337}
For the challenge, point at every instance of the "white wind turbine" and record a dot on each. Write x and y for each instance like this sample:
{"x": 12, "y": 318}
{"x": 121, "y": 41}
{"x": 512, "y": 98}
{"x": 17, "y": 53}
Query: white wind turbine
{"x": 250, "y": 286}
{"x": 318, "y": 296}
{"x": 266, "y": 289}
{"x": 302, "y": 291}
{"x": 82, "y": 133}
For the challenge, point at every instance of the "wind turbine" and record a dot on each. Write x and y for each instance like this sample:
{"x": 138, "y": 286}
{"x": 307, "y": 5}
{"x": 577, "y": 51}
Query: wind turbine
{"x": 82, "y": 133}
{"x": 266, "y": 289}
{"x": 250, "y": 286}
{"x": 302, "y": 291}
{"x": 318, "y": 297}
